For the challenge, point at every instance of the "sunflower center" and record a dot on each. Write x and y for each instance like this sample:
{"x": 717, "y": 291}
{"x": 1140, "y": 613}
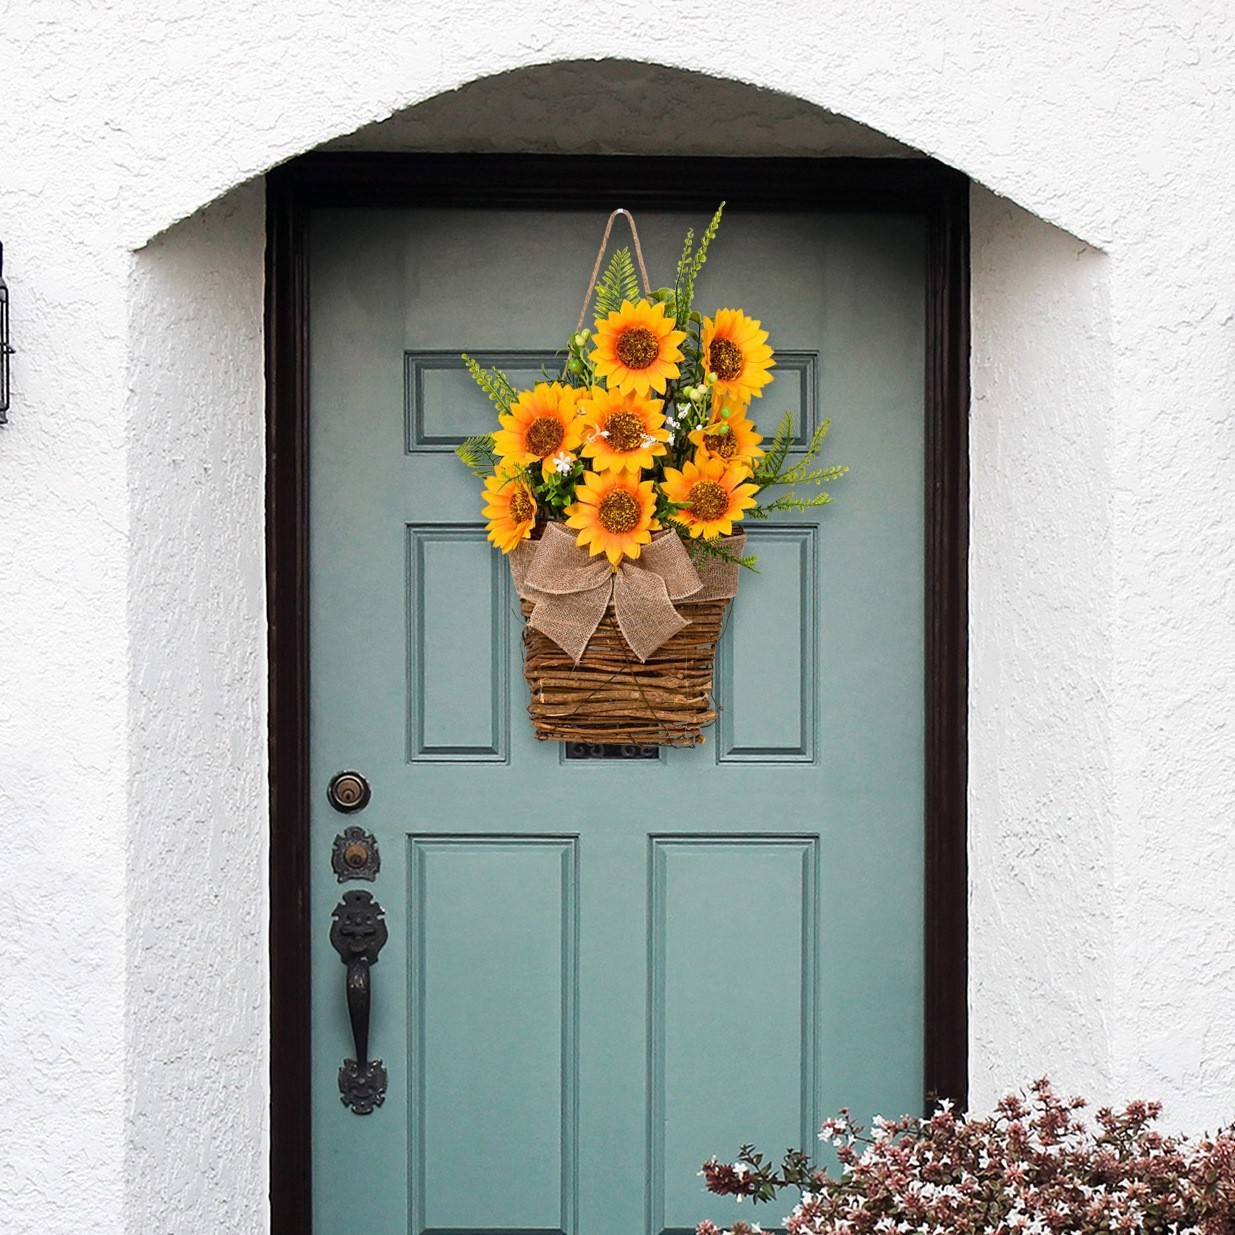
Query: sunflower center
{"x": 625, "y": 431}
{"x": 522, "y": 508}
{"x": 618, "y": 512}
{"x": 544, "y": 435}
{"x": 637, "y": 347}
{"x": 723, "y": 444}
{"x": 708, "y": 501}
{"x": 725, "y": 359}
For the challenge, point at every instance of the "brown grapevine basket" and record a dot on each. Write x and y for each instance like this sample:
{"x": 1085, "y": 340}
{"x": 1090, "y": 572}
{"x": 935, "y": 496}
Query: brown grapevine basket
{"x": 610, "y": 696}
{"x": 626, "y": 656}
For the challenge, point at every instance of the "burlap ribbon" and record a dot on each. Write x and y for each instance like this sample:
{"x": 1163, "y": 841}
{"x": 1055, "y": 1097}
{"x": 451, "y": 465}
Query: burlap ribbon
{"x": 570, "y": 589}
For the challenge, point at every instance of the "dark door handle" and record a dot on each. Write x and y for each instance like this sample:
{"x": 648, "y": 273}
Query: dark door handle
{"x": 358, "y": 995}
{"x": 358, "y": 935}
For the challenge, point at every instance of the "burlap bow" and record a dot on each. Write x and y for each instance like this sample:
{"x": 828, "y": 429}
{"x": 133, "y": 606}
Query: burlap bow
{"x": 571, "y": 590}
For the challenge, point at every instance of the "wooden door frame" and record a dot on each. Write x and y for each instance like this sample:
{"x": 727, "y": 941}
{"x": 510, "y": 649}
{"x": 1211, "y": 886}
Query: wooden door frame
{"x": 918, "y": 186}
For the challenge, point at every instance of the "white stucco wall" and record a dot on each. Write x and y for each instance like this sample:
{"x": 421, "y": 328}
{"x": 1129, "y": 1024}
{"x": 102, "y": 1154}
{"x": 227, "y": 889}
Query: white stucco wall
{"x": 132, "y": 705}
{"x": 197, "y": 1009}
{"x": 1042, "y": 790}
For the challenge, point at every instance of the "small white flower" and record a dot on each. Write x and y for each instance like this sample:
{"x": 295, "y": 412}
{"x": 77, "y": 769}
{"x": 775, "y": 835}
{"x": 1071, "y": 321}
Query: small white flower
{"x": 741, "y": 1168}
{"x": 562, "y": 462}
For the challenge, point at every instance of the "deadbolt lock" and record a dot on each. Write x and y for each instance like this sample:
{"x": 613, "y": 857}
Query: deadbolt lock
{"x": 348, "y": 791}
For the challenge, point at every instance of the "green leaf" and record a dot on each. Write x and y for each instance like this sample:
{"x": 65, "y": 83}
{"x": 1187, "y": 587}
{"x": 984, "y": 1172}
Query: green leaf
{"x": 618, "y": 283}
{"x": 494, "y": 383}
{"x": 774, "y": 457}
{"x": 689, "y": 266}
{"x": 701, "y": 550}
{"x": 478, "y": 455}
{"x": 791, "y": 501}
{"x": 701, "y": 255}
{"x": 772, "y": 472}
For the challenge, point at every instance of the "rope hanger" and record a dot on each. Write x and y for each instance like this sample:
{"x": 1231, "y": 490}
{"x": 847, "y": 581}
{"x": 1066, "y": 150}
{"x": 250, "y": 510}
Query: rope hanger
{"x": 600, "y": 257}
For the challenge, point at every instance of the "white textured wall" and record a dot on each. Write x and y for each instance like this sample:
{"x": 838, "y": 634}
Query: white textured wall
{"x": 197, "y": 1007}
{"x": 63, "y": 654}
{"x": 1173, "y": 490}
{"x": 131, "y": 632}
{"x": 1042, "y": 792}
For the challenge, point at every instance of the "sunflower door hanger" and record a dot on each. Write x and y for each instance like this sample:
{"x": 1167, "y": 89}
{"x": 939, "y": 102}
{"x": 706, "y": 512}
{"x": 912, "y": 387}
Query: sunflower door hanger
{"x": 615, "y": 491}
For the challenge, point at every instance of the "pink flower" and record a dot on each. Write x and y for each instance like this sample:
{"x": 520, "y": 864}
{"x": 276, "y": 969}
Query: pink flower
{"x": 1035, "y": 1166}
{"x": 726, "y": 1180}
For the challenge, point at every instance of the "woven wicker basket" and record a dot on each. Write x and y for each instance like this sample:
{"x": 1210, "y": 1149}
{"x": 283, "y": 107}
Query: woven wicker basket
{"x": 610, "y": 696}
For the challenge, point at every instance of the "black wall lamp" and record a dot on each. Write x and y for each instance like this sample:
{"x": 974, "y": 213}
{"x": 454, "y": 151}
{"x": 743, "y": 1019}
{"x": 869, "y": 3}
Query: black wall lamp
{"x": 5, "y": 350}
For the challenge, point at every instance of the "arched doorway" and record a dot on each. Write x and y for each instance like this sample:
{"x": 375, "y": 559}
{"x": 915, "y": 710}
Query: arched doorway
{"x": 917, "y": 188}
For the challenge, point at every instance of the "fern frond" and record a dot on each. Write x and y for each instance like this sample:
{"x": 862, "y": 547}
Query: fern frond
{"x": 494, "y": 383}
{"x": 791, "y": 501}
{"x": 800, "y": 474}
{"x": 689, "y": 265}
{"x": 776, "y": 454}
{"x": 682, "y": 294}
{"x": 701, "y": 550}
{"x": 478, "y": 455}
{"x": 618, "y": 283}
{"x": 816, "y": 440}
{"x": 772, "y": 473}
{"x": 701, "y": 255}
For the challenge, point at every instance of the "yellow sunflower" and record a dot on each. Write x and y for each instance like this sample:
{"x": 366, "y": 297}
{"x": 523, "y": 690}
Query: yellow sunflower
{"x": 739, "y": 446}
{"x": 511, "y": 510}
{"x": 540, "y": 425}
{"x": 736, "y": 350}
{"x": 637, "y": 348}
{"x": 622, "y": 432}
{"x": 614, "y": 514}
{"x": 711, "y": 494}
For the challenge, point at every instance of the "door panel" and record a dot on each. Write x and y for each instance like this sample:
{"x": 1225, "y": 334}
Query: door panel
{"x": 602, "y": 971}
{"x": 495, "y": 1055}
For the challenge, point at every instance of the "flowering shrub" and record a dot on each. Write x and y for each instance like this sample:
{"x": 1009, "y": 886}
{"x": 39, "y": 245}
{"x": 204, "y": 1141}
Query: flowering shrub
{"x": 1034, "y": 1167}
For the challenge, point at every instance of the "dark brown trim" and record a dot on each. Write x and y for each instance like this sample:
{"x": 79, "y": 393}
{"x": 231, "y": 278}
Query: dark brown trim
{"x": 918, "y": 186}
{"x": 287, "y": 590}
{"x": 946, "y": 1054}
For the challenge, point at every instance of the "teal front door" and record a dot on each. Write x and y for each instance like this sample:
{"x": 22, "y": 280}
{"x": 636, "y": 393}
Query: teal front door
{"x": 602, "y": 970}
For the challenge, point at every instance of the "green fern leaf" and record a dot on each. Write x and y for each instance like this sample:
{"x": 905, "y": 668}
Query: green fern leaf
{"x": 701, "y": 550}
{"x": 701, "y": 255}
{"x": 791, "y": 502}
{"x": 478, "y": 455}
{"x": 682, "y": 291}
{"x": 774, "y": 457}
{"x": 618, "y": 283}
{"x": 689, "y": 266}
{"x": 494, "y": 383}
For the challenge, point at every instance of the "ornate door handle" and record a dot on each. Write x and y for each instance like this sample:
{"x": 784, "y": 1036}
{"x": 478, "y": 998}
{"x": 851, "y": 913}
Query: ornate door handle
{"x": 358, "y": 935}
